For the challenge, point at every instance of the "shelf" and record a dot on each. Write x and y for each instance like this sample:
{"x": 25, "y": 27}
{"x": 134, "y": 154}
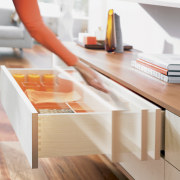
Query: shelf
{"x": 167, "y": 3}
{"x": 49, "y": 10}
{"x": 81, "y": 18}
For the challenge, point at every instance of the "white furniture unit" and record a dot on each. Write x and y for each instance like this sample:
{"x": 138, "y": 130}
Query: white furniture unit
{"x": 50, "y": 13}
{"x": 168, "y": 3}
{"x": 171, "y": 173}
{"x": 172, "y": 140}
{"x": 131, "y": 127}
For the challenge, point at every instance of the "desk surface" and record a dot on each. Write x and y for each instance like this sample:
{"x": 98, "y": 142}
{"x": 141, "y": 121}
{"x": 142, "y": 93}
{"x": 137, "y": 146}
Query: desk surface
{"x": 117, "y": 67}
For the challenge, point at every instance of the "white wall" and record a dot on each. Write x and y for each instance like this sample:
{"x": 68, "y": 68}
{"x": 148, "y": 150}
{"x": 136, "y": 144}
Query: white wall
{"x": 6, "y": 4}
{"x": 149, "y": 28}
{"x": 97, "y": 15}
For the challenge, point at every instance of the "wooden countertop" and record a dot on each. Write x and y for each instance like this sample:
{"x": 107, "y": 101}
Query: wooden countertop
{"x": 117, "y": 67}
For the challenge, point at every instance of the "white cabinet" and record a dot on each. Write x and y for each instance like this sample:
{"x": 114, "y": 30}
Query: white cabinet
{"x": 171, "y": 173}
{"x": 168, "y": 3}
{"x": 130, "y": 125}
{"x": 172, "y": 139}
{"x": 144, "y": 170}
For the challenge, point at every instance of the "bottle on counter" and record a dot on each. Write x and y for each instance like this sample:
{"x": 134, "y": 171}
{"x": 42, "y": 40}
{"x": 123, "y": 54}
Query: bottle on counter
{"x": 110, "y": 41}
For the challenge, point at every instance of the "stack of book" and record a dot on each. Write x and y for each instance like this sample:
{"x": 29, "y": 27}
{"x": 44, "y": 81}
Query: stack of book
{"x": 165, "y": 67}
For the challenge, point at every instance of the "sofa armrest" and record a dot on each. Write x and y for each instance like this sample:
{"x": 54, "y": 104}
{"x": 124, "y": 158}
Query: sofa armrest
{"x": 27, "y": 37}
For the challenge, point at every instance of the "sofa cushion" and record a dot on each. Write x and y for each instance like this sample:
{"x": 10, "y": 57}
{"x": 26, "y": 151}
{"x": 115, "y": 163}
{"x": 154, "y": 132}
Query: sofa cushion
{"x": 11, "y": 32}
{"x": 5, "y": 15}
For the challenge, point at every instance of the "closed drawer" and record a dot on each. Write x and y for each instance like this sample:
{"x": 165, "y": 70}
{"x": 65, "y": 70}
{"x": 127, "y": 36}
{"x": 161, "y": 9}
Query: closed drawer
{"x": 171, "y": 173}
{"x": 132, "y": 126}
{"x": 144, "y": 170}
{"x": 172, "y": 139}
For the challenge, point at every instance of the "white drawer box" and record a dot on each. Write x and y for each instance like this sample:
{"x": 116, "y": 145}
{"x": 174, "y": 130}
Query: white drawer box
{"x": 132, "y": 127}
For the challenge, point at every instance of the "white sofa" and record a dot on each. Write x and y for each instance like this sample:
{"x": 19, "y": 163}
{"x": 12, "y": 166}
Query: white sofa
{"x": 12, "y": 34}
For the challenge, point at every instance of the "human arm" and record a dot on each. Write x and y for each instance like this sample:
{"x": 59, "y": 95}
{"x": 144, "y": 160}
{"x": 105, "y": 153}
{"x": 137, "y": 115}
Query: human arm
{"x": 29, "y": 13}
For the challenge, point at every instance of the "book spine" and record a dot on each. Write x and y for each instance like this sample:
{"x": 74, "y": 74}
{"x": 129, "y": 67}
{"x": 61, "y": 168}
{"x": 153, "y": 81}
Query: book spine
{"x": 149, "y": 71}
{"x": 173, "y": 73}
{"x": 153, "y": 66}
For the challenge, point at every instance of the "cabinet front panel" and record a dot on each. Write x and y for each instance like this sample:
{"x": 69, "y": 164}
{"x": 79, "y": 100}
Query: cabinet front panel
{"x": 172, "y": 139}
{"x": 144, "y": 170}
{"x": 171, "y": 173}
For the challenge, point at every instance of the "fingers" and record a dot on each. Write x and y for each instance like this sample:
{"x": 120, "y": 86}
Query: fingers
{"x": 96, "y": 84}
{"x": 90, "y": 77}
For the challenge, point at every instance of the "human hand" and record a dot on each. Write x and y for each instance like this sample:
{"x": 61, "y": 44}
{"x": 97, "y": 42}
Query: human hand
{"x": 90, "y": 76}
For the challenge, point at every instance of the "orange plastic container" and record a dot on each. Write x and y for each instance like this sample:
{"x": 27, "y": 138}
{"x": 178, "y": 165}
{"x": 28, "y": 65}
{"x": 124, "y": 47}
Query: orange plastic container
{"x": 48, "y": 78}
{"x": 19, "y": 77}
{"x": 33, "y": 78}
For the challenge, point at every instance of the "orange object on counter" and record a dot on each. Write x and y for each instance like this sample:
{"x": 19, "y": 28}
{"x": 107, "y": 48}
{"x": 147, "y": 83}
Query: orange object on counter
{"x": 33, "y": 78}
{"x": 19, "y": 77}
{"x": 48, "y": 78}
{"x": 90, "y": 40}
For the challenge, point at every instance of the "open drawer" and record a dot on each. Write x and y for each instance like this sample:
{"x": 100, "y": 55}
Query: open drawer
{"x": 137, "y": 130}
{"x": 105, "y": 127}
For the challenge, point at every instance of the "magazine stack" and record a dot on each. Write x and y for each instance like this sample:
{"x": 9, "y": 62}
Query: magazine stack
{"x": 165, "y": 67}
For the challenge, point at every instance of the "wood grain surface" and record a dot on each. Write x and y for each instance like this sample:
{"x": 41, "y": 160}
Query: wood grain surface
{"x": 13, "y": 163}
{"x": 17, "y": 164}
{"x": 82, "y": 167}
{"x": 117, "y": 67}
{"x": 4, "y": 173}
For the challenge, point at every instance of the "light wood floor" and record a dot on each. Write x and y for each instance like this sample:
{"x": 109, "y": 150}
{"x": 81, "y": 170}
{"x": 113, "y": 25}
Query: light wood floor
{"x": 13, "y": 164}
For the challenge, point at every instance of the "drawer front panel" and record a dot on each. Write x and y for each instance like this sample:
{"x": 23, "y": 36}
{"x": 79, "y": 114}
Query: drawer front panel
{"x": 128, "y": 135}
{"x": 78, "y": 134}
{"x": 172, "y": 139}
{"x": 21, "y": 114}
{"x": 138, "y": 133}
